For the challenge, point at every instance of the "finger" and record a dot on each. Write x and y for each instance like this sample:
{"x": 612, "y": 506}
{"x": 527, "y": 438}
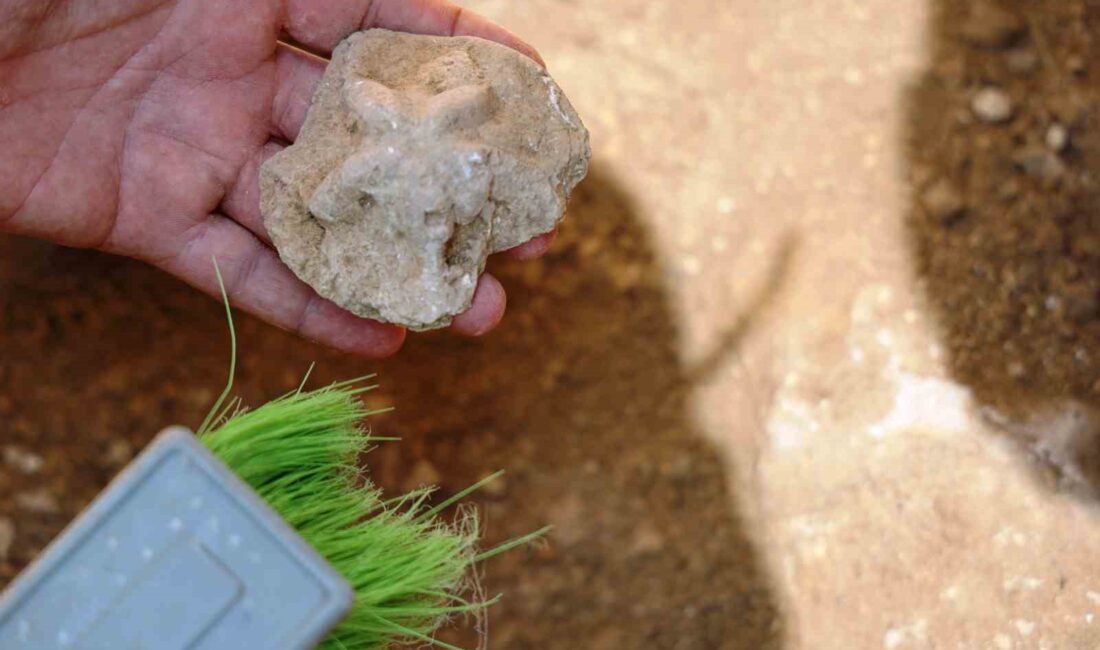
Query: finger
{"x": 257, "y": 281}
{"x": 321, "y": 24}
{"x": 532, "y": 248}
{"x": 485, "y": 311}
{"x": 296, "y": 77}
{"x": 242, "y": 202}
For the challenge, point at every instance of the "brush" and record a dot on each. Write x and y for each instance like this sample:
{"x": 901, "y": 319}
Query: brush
{"x": 408, "y": 568}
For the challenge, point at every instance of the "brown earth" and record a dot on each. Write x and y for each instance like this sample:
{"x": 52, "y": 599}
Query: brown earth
{"x": 1008, "y": 236}
{"x": 1007, "y": 228}
{"x": 580, "y": 396}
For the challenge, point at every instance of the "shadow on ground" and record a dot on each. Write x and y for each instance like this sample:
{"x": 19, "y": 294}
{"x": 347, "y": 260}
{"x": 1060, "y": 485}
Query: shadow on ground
{"x": 581, "y": 396}
{"x": 1006, "y": 218}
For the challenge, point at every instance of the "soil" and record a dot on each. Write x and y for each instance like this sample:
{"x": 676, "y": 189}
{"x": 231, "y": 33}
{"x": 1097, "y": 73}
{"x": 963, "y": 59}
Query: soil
{"x": 580, "y": 396}
{"x": 1007, "y": 227}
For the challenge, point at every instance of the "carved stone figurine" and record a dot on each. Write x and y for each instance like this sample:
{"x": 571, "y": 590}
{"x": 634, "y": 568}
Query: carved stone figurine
{"x": 419, "y": 157}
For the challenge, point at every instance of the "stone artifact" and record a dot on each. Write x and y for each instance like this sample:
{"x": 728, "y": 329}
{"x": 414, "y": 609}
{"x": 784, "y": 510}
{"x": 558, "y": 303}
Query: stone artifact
{"x": 419, "y": 157}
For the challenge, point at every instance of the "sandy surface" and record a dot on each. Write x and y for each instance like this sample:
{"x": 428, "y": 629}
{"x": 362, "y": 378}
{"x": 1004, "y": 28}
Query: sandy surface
{"x": 724, "y": 386}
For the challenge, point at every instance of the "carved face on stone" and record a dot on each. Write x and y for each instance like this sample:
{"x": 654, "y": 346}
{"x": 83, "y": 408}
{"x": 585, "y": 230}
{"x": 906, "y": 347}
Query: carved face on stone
{"x": 419, "y": 157}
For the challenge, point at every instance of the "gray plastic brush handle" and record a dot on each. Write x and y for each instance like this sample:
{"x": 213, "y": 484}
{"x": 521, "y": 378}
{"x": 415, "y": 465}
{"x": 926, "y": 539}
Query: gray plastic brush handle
{"x": 177, "y": 552}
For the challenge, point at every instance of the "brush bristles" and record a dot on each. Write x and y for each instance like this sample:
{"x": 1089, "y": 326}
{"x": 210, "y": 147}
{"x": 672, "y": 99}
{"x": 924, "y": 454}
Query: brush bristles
{"x": 408, "y": 569}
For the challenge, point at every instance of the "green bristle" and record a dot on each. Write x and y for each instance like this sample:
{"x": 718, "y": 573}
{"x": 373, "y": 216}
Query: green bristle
{"x": 408, "y": 568}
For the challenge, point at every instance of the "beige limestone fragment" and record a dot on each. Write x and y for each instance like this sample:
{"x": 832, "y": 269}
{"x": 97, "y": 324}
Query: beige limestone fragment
{"x": 419, "y": 157}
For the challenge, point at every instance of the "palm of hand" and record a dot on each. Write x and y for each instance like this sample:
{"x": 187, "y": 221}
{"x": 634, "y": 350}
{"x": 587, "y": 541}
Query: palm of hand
{"x": 149, "y": 130}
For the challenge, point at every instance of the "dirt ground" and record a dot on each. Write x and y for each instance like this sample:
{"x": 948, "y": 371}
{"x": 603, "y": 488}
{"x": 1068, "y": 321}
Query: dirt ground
{"x": 1008, "y": 228}
{"x": 579, "y": 396}
{"x": 759, "y": 386}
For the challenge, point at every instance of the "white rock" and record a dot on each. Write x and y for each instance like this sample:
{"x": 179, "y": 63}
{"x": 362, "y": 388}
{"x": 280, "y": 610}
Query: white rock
{"x": 25, "y": 461}
{"x": 1057, "y": 138}
{"x": 38, "y": 501}
{"x": 992, "y": 105}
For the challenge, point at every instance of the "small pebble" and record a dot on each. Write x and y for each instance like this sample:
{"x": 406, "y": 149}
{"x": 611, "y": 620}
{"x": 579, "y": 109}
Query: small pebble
{"x": 647, "y": 540}
{"x": 119, "y": 452}
{"x": 990, "y": 25}
{"x": 423, "y": 474}
{"x": 943, "y": 201}
{"x": 992, "y": 105}
{"x": 38, "y": 501}
{"x": 1057, "y": 138}
{"x": 1039, "y": 163}
{"x": 25, "y": 461}
{"x": 1022, "y": 60}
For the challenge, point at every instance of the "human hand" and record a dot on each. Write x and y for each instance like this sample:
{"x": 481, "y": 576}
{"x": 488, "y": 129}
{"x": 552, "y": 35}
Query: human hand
{"x": 138, "y": 127}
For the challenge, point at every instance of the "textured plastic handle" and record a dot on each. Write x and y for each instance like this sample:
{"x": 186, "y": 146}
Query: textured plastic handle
{"x": 176, "y": 553}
